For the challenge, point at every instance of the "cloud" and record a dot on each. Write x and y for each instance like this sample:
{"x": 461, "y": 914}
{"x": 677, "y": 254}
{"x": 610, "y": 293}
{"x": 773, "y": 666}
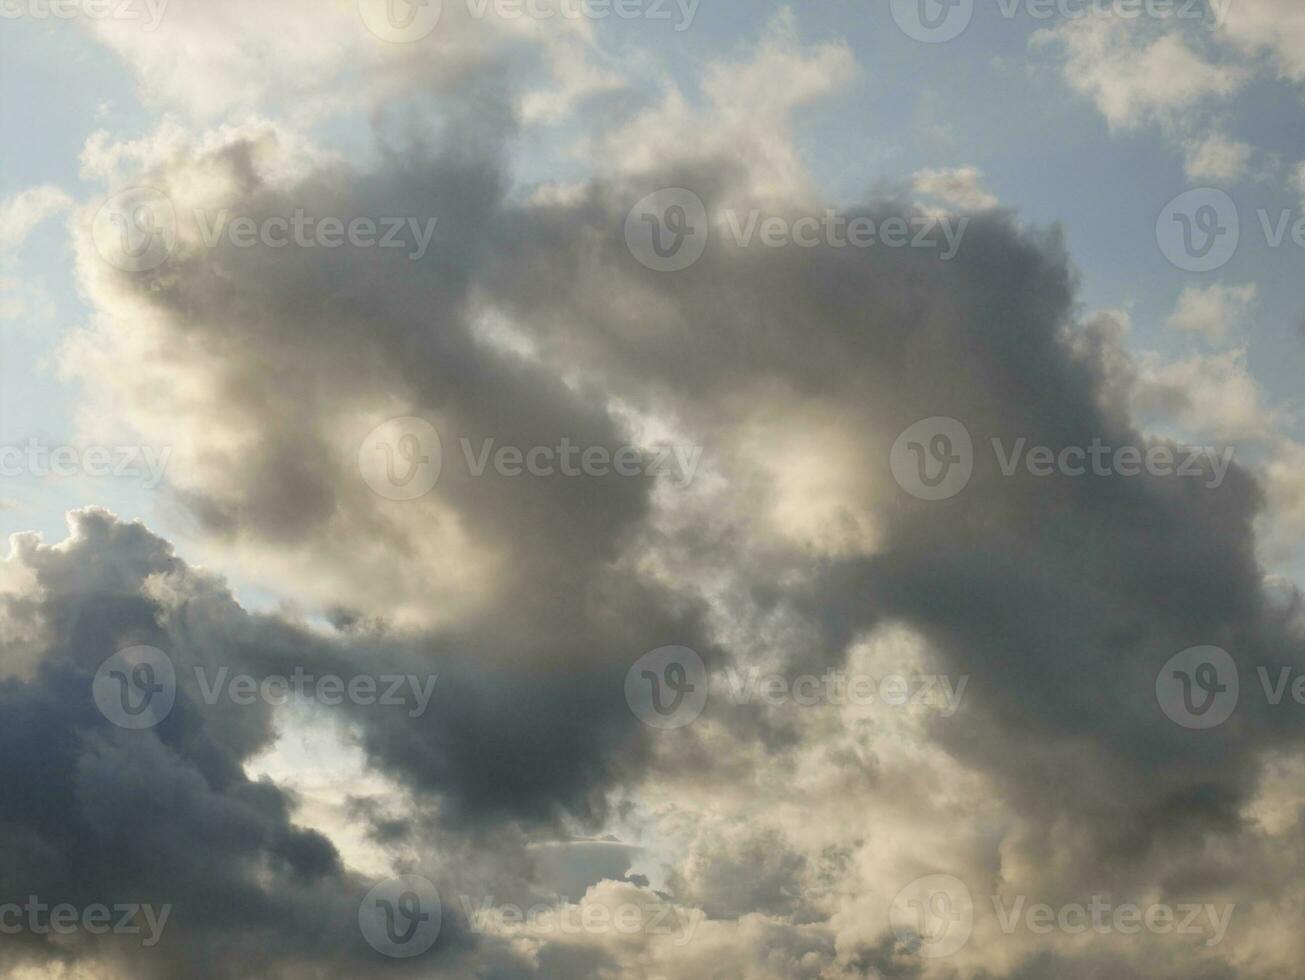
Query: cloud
{"x": 1217, "y": 157}
{"x": 1113, "y": 577}
{"x": 229, "y": 61}
{"x": 1214, "y": 312}
{"x": 98, "y": 814}
{"x": 1212, "y": 397}
{"x": 789, "y": 827}
{"x": 1273, "y": 26}
{"x": 961, "y": 187}
{"x": 1134, "y": 78}
{"x": 22, "y": 212}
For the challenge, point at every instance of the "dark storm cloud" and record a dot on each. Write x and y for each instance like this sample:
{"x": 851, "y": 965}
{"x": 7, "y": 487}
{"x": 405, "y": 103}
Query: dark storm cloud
{"x": 93, "y": 814}
{"x": 1060, "y": 598}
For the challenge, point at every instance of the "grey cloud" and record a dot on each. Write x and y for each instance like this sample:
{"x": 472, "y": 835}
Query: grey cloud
{"x": 1059, "y": 599}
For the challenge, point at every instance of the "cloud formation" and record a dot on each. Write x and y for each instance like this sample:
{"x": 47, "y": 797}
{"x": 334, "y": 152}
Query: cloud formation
{"x": 782, "y": 832}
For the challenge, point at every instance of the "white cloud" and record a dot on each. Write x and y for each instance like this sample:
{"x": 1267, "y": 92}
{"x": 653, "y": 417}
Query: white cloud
{"x": 22, "y": 212}
{"x": 230, "y": 59}
{"x": 1135, "y": 79}
{"x": 1273, "y": 26}
{"x": 1217, "y": 157}
{"x": 960, "y": 186}
{"x": 1214, "y": 312}
{"x": 1207, "y": 399}
{"x": 748, "y": 114}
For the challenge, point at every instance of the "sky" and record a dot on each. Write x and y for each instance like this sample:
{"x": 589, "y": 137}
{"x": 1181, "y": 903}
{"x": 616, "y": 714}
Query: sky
{"x": 652, "y": 488}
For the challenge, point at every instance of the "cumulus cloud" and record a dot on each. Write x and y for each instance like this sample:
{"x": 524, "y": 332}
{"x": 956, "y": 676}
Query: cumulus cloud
{"x": 961, "y": 187}
{"x": 1133, "y": 76}
{"x": 782, "y": 831}
{"x": 1217, "y": 157}
{"x": 1214, "y": 312}
{"x": 1276, "y": 27}
{"x": 22, "y": 212}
